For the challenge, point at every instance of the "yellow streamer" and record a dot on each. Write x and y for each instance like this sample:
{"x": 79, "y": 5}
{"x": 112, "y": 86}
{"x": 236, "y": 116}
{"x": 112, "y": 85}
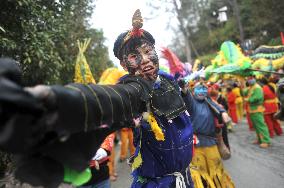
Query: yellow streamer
{"x": 137, "y": 161}
{"x": 159, "y": 135}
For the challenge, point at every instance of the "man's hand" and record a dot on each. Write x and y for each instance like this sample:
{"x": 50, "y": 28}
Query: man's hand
{"x": 44, "y": 94}
{"x": 182, "y": 84}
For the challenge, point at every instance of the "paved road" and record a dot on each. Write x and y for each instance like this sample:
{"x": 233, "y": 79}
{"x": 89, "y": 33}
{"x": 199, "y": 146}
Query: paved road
{"x": 253, "y": 167}
{"x": 249, "y": 166}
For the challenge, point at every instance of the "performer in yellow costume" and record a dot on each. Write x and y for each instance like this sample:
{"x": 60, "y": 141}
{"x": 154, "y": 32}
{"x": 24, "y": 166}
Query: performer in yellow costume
{"x": 239, "y": 101}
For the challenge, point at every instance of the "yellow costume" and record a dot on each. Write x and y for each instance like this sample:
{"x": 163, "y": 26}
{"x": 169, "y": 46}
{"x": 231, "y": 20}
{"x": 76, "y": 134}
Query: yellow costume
{"x": 206, "y": 166}
{"x": 239, "y": 102}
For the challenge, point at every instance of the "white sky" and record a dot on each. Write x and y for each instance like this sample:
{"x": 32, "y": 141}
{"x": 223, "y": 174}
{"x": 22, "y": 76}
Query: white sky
{"x": 114, "y": 17}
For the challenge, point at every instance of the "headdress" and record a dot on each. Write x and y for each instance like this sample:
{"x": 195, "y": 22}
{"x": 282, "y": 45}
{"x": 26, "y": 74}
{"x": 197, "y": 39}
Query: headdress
{"x": 136, "y": 33}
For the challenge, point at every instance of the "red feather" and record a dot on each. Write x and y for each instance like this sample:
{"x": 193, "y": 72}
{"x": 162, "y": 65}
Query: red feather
{"x": 174, "y": 62}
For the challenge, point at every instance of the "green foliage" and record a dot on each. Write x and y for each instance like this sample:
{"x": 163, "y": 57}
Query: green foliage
{"x": 227, "y": 32}
{"x": 263, "y": 16}
{"x": 42, "y": 36}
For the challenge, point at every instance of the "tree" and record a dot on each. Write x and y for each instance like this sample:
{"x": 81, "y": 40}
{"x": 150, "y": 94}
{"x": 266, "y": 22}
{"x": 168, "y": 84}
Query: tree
{"x": 262, "y": 19}
{"x": 42, "y": 36}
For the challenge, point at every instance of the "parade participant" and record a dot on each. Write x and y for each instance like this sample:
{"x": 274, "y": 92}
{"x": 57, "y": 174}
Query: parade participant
{"x": 68, "y": 141}
{"x": 163, "y": 140}
{"x": 245, "y": 90}
{"x": 206, "y": 166}
{"x": 126, "y": 138}
{"x": 215, "y": 95}
{"x": 271, "y": 107}
{"x": 112, "y": 166}
{"x": 256, "y": 109}
{"x": 221, "y": 99}
{"x": 231, "y": 99}
{"x": 99, "y": 167}
{"x": 239, "y": 101}
{"x": 280, "y": 94}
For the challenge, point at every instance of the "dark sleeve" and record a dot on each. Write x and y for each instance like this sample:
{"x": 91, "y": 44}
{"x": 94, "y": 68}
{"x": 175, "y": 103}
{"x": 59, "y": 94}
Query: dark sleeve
{"x": 85, "y": 107}
{"x": 221, "y": 100}
{"x": 216, "y": 109}
{"x": 188, "y": 100}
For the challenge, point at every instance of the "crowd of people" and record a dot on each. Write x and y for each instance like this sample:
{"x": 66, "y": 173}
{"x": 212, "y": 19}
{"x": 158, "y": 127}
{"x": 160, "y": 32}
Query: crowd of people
{"x": 176, "y": 131}
{"x": 256, "y": 99}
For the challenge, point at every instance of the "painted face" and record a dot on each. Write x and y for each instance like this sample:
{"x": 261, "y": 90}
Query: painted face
{"x": 200, "y": 92}
{"x": 251, "y": 81}
{"x": 143, "y": 61}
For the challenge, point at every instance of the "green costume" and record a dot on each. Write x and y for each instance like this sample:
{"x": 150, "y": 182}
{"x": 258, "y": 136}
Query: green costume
{"x": 256, "y": 109}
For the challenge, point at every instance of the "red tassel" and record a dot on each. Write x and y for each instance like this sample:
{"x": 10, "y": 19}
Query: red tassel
{"x": 137, "y": 32}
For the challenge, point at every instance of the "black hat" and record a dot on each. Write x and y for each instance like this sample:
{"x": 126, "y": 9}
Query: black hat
{"x": 134, "y": 34}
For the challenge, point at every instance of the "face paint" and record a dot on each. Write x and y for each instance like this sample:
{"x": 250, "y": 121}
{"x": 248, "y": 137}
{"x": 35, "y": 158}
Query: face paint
{"x": 153, "y": 56}
{"x": 132, "y": 62}
{"x": 143, "y": 60}
{"x": 200, "y": 92}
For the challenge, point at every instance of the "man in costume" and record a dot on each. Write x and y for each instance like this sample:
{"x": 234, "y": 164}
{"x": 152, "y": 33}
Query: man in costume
{"x": 239, "y": 101}
{"x": 66, "y": 121}
{"x": 207, "y": 168}
{"x": 271, "y": 107}
{"x": 246, "y": 103}
{"x": 255, "y": 101}
{"x": 216, "y": 96}
{"x": 231, "y": 98}
{"x": 163, "y": 140}
{"x": 126, "y": 138}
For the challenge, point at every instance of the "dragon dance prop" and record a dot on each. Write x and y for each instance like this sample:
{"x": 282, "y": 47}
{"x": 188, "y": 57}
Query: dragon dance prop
{"x": 268, "y": 58}
{"x": 268, "y": 52}
{"x": 231, "y": 60}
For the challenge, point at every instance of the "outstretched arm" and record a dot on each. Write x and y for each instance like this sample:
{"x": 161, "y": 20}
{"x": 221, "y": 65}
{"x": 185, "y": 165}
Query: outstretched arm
{"x": 84, "y": 107}
{"x": 54, "y": 128}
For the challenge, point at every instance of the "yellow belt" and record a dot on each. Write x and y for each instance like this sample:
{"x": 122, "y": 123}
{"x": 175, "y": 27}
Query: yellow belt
{"x": 258, "y": 109}
{"x": 275, "y": 100}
